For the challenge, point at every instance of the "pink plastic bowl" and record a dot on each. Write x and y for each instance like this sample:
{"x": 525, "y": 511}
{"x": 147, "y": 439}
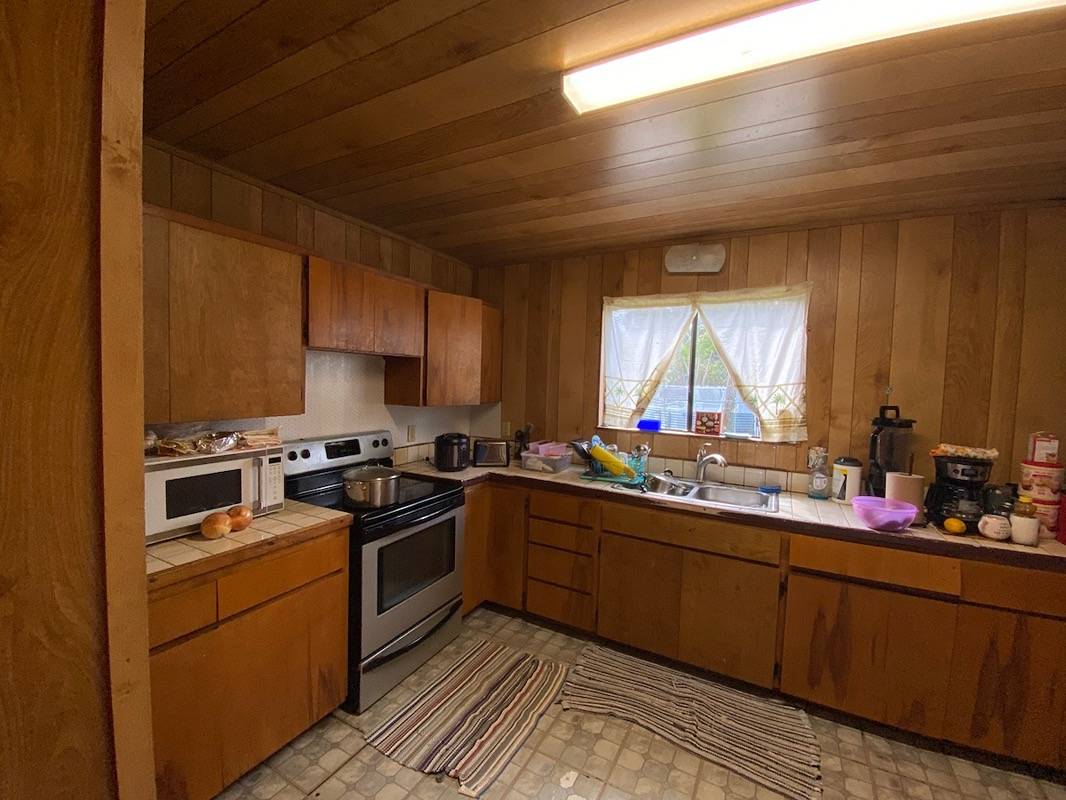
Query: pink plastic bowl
{"x": 883, "y": 514}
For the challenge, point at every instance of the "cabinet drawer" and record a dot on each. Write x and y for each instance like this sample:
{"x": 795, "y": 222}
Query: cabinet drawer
{"x": 694, "y": 532}
{"x": 1015, "y": 588}
{"x": 565, "y": 537}
{"x": 179, "y": 614}
{"x": 560, "y": 567}
{"x": 268, "y": 578}
{"x": 562, "y": 605}
{"x": 879, "y": 564}
{"x": 564, "y": 508}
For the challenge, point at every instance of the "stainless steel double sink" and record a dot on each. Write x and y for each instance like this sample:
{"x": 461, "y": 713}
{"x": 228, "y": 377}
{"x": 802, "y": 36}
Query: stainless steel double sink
{"x": 715, "y": 494}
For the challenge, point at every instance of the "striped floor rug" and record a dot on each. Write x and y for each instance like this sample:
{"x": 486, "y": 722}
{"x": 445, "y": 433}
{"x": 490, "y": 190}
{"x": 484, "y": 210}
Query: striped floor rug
{"x": 473, "y": 718}
{"x": 765, "y": 740}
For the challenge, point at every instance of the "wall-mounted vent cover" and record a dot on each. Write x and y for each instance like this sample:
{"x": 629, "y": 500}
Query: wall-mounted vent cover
{"x": 695, "y": 257}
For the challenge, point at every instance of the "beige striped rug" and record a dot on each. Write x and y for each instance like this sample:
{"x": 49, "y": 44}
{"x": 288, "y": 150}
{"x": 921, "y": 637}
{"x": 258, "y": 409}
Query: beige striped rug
{"x": 765, "y": 740}
{"x": 471, "y": 721}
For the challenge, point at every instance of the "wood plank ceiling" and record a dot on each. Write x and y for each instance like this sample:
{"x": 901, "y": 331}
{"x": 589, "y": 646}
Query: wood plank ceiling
{"x": 443, "y": 119}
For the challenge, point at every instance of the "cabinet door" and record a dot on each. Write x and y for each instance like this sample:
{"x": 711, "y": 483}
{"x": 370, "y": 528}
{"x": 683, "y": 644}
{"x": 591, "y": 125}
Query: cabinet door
{"x": 339, "y": 311}
{"x": 729, "y": 616}
{"x": 399, "y": 315}
{"x": 236, "y": 328}
{"x": 187, "y": 695}
{"x": 834, "y": 651}
{"x": 506, "y": 547}
{"x": 265, "y": 665}
{"x": 475, "y": 545}
{"x": 453, "y": 350}
{"x": 879, "y": 654}
{"x": 1008, "y": 689}
{"x": 156, "y": 300}
{"x": 639, "y": 594}
{"x": 491, "y": 354}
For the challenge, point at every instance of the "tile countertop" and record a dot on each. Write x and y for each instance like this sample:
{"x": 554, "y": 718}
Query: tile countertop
{"x": 797, "y": 514}
{"x": 297, "y": 522}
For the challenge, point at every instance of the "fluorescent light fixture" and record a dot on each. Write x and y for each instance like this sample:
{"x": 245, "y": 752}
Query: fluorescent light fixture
{"x": 777, "y": 36}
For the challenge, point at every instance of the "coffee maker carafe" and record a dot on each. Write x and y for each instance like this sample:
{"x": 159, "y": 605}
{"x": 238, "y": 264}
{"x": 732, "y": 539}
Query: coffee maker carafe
{"x": 890, "y": 447}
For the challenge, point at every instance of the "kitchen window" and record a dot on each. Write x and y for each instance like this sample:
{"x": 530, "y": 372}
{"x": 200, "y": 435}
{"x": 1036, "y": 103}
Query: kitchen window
{"x": 740, "y": 355}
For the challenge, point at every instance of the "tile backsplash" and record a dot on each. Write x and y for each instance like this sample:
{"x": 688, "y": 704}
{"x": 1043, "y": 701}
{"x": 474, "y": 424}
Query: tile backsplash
{"x": 739, "y": 476}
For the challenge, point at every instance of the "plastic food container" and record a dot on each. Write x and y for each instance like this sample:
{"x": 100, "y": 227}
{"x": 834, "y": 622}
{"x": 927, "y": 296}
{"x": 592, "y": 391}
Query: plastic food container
{"x": 544, "y": 463}
{"x": 1042, "y": 481}
{"x": 1048, "y": 514}
{"x": 883, "y": 514}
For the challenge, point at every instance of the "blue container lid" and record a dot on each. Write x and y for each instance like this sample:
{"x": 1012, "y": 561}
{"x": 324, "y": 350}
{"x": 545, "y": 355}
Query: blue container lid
{"x": 649, "y": 425}
{"x": 770, "y": 489}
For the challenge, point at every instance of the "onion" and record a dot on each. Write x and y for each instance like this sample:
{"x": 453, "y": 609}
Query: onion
{"x": 215, "y": 526}
{"x": 240, "y": 517}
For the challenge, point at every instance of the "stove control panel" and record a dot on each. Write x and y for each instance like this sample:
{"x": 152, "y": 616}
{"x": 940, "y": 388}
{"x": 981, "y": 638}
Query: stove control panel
{"x": 308, "y": 455}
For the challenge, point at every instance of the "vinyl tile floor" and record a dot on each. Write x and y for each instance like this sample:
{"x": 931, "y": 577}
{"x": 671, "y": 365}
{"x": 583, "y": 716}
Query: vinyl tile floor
{"x": 579, "y": 756}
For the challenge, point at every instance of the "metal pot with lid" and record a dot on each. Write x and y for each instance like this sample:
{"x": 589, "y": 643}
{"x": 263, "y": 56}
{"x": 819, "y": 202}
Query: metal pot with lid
{"x": 372, "y": 486}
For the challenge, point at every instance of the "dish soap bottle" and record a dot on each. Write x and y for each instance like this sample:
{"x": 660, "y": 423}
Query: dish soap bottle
{"x": 1024, "y": 526}
{"x": 818, "y": 467}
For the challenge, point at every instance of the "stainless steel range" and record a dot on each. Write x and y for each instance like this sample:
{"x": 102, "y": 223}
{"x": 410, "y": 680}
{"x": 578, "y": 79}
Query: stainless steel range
{"x": 406, "y": 560}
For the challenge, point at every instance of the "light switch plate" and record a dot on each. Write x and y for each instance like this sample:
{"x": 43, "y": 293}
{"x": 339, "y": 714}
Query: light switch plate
{"x": 411, "y": 432}
{"x": 505, "y": 429}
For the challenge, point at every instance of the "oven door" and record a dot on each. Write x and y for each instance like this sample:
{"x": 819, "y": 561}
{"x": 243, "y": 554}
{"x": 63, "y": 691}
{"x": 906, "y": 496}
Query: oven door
{"x": 409, "y": 575}
{"x": 177, "y": 498}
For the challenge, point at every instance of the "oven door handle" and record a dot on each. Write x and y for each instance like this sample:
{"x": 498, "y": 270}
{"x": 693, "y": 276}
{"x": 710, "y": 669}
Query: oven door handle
{"x": 377, "y": 661}
{"x": 414, "y": 526}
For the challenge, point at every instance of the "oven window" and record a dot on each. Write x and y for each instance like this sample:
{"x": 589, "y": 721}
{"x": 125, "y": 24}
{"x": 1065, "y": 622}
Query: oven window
{"x": 412, "y": 563}
{"x": 198, "y": 493}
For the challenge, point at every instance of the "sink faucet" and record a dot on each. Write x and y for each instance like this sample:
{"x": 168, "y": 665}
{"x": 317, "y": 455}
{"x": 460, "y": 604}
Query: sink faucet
{"x": 705, "y": 457}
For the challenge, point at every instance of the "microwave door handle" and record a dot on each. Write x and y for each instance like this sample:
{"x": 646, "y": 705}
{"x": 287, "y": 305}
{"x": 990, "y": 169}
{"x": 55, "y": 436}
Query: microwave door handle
{"x": 259, "y": 481}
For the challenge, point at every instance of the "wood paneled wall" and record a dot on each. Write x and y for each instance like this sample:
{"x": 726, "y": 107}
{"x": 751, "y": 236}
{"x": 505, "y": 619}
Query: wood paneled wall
{"x": 961, "y": 315}
{"x": 73, "y": 617}
{"x": 184, "y": 182}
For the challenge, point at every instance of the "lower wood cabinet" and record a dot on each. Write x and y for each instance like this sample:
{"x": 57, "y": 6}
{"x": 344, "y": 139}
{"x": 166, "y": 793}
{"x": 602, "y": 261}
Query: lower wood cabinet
{"x": 226, "y": 697}
{"x": 477, "y": 519}
{"x": 506, "y": 547}
{"x": 639, "y": 594}
{"x": 729, "y": 612}
{"x": 875, "y": 653}
{"x": 1008, "y": 688}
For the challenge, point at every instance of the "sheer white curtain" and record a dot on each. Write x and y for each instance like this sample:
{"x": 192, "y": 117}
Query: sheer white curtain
{"x": 761, "y": 335}
{"x": 640, "y": 335}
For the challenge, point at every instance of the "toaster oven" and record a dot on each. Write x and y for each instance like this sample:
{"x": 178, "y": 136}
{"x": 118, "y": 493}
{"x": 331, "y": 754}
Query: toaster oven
{"x": 491, "y": 453}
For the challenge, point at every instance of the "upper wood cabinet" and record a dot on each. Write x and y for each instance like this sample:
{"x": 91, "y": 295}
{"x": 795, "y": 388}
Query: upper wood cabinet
{"x": 453, "y": 350}
{"x": 491, "y": 354}
{"x": 223, "y": 324}
{"x": 450, "y": 373}
{"x": 363, "y": 311}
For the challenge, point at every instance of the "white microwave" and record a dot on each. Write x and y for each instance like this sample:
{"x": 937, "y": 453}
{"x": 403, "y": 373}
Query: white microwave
{"x": 180, "y": 491}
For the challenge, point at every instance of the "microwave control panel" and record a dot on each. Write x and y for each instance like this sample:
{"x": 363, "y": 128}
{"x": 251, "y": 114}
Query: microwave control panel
{"x": 272, "y": 490}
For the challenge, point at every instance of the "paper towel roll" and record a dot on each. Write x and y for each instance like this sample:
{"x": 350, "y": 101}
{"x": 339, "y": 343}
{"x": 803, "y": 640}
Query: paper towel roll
{"x": 909, "y": 488}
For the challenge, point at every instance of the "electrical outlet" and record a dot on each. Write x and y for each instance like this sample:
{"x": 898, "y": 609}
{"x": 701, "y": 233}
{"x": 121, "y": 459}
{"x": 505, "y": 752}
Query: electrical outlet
{"x": 505, "y": 429}
{"x": 411, "y": 433}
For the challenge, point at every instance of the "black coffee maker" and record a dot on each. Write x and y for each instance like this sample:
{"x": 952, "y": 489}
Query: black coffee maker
{"x": 957, "y": 490}
{"x": 890, "y": 447}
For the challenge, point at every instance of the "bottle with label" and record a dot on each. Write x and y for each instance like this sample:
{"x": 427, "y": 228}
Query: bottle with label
{"x": 818, "y": 485}
{"x": 1024, "y": 526}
